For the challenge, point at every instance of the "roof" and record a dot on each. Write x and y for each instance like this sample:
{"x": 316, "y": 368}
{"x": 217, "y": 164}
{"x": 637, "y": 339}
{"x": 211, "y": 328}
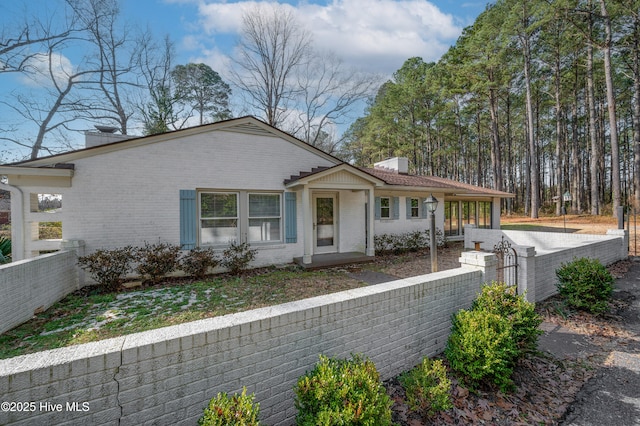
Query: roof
{"x": 305, "y": 177}
{"x": 393, "y": 178}
{"x": 247, "y": 124}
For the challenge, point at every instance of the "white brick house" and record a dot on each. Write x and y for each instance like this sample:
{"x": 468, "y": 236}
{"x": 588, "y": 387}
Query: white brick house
{"x": 239, "y": 179}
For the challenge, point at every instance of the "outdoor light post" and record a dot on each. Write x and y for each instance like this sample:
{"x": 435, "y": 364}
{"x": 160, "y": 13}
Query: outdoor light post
{"x": 431, "y": 205}
{"x": 566, "y": 197}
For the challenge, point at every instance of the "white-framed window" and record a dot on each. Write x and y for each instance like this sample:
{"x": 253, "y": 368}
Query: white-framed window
{"x": 385, "y": 207}
{"x": 240, "y": 216}
{"x": 415, "y": 208}
{"x": 265, "y": 217}
{"x": 219, "y": 218}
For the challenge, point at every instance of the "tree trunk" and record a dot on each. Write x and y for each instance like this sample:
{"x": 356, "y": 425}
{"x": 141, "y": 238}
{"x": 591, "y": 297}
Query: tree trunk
{"x": 534, "y": 174}
{"x": 595, "y": 151}
{"x": 611, "y": 106}
{"x": 636, "y": 112}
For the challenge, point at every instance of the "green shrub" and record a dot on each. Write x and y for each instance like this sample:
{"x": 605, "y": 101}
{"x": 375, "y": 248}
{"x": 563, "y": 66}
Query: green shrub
{"x": 342, "y": 392}
{"x": 237, "y": 410}
{"x": 585, "y": 284}
{"x": 406, "y": 242}
{"x": 108, "y": 267}
{"x": 481, "y": 348}
{"x": 5, "y": 250}
{"x": 427, "y": 387}
{"x": 237, "y": 257}
{"x": 502, "y": 300}
{"x": 196, "y": 262}
{"x": 157, "y": 260}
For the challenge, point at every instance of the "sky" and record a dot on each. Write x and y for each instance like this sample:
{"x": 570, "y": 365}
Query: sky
{"x": 371, "y": 35}
{"x": 377, "y": 35}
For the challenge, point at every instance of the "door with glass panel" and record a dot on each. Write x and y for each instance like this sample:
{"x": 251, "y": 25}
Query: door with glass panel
{"x": 325, "y": 234}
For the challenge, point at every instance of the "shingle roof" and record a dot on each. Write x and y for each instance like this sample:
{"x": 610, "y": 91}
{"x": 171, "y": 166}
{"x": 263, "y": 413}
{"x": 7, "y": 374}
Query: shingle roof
{"x": 294, "y": 178}
{"x": 391, "y": 177}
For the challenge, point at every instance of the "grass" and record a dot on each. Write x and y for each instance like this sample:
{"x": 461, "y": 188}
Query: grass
{"x": 81, "y": 318}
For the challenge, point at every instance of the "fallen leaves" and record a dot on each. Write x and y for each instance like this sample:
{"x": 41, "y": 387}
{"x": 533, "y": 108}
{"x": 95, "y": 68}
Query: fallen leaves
{"x": 544, "y": 389}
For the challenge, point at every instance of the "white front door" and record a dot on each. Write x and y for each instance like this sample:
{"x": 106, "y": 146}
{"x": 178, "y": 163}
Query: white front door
{"x": 325, "y": 235}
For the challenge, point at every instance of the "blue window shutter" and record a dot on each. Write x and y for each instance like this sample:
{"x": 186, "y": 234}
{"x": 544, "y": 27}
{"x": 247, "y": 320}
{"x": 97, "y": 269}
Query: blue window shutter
{"x": 423, "y": 208}
{"x": 188, "y": 219}
{"x": 396, "y": 208}
{"x": 377, "y": 208}
{"x": 408, "y": 199}
{"x": 291, "y": 221}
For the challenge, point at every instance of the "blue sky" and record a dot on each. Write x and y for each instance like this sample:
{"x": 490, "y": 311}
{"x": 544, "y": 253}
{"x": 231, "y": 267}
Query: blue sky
{"x": 378, "y": 35}
{"x": 372, "y": 35}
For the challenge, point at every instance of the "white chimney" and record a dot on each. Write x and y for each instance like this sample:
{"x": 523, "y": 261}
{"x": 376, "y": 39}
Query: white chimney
{"x": 103, "y": 136}
{"x": 396, "y": 164}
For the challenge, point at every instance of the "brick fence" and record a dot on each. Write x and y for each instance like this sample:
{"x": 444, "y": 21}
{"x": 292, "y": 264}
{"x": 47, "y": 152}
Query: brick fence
{"x": 167, "y": 376}
{"x": 27, "y": 286}
{"x": 540, "y": 254}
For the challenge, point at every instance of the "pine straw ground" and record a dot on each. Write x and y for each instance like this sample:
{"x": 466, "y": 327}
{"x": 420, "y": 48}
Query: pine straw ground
{"x": 544, "y": 386}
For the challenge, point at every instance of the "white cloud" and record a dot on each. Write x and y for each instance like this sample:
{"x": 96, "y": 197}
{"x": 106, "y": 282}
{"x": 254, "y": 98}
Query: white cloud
{"x": 378, "y": 35}
{"x": 39, "y": 69}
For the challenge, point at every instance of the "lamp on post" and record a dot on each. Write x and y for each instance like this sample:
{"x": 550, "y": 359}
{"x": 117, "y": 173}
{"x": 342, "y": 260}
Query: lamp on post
{"x": 431, "y": 204}
{"x": 566, "y": 197}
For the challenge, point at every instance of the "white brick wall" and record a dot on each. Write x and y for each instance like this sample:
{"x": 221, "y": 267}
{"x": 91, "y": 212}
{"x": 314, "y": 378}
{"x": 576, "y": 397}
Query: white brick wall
{"x": 37, "y": 283}
{"x": 167, "y": 376}
{"x": 132, "y": 195}
{"x": 548, "y": 251}
{"x": 402, "y": 224}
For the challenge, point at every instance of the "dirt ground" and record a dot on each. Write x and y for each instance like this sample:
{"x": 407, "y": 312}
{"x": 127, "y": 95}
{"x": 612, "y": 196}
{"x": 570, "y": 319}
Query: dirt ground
{"x": 580, "y": 224}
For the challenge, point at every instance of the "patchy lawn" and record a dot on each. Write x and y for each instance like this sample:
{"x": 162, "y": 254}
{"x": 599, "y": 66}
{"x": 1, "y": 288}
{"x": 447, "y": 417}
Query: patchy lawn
{"x": 86, "y": 316}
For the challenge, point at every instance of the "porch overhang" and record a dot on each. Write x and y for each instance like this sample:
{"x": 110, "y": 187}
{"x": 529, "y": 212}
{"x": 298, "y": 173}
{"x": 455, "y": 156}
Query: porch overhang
{"x": 38, "y": 176}
{"x": 342, "y": 177}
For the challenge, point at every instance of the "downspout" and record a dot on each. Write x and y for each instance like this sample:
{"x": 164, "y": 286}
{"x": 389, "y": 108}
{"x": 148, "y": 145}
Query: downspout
{"x": 17, "y": 221}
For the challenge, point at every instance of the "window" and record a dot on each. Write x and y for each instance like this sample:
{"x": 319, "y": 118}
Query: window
{"x": 264, "y": 217}
{"x": 218, "y": 218}
{"x": 484, "y": 214}
{"x": 385, "y": 208}
{"x": 415, "y": 208}
{"x": 451, "y": 226}
{"x": 227, "y": 217}
{"x": 468, "y": 213}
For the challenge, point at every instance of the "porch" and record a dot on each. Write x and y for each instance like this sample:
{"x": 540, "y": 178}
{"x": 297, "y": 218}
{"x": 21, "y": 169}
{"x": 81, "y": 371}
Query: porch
{"x": 334, "y": 259}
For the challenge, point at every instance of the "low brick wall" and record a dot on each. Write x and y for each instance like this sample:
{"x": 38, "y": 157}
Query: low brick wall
{"x": 35, "y": 284}
{"x": 167, "y": 376}
{"x": 606, "y": 251}
{"x": 540, "y": 254}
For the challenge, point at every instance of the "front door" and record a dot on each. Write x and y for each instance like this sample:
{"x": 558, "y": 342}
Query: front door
{"x": 325, "y": 235}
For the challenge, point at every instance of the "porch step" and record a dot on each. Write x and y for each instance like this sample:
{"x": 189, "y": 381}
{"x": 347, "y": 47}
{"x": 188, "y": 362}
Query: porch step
{"x": 319, "y": 261}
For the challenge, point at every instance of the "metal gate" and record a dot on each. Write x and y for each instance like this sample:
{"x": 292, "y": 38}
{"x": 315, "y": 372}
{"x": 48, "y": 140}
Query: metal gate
{"x": 507, "y": 270}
